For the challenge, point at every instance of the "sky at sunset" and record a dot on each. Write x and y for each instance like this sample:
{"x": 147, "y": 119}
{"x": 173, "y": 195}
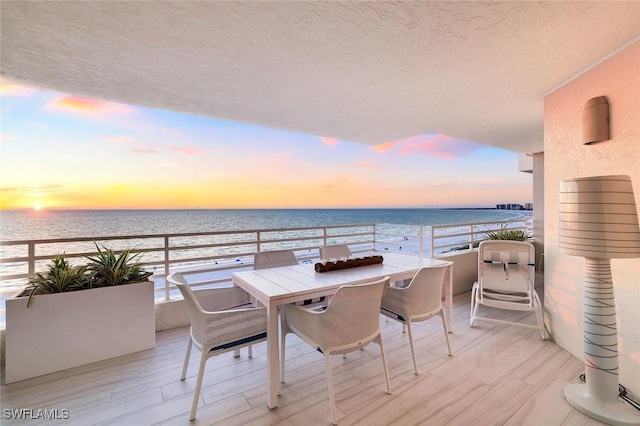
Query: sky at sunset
{"x": 60, "y": 151}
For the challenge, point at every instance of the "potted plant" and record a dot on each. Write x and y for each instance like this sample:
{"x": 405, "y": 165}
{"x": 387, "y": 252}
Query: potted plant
{"x": 508, "y": 234}
{"x": 109, "y": 269}
{"x": 60, "y": 277}
{"x": 74, "y": 315}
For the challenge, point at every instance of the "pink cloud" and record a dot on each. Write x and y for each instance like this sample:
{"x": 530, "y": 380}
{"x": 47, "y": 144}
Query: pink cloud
{"x": 87, "y": 106}
{"x": 422, "y": 147}
{"x": 133, "y": 145}
{"x": 185, "y": 150}
{"x": 431, "y": 144}
{"x": 385, "y": 147}
{"x": 329, "y": 141}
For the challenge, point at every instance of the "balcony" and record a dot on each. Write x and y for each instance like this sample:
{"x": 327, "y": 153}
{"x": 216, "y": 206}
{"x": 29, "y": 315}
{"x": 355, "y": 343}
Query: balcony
{"x": 498, "y": 375}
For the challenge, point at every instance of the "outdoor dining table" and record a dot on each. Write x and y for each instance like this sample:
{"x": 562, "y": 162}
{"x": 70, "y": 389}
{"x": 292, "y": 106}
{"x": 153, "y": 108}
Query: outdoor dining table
{"x": 287, "y": 284}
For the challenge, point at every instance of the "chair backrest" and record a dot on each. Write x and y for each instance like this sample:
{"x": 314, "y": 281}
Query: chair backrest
{"x": 273, "y": 259}
{"x": 196, "y": 312}
{"x": 424, "y": 292}
{"x": 353, "y": 315}
{"x": 335, "y": 251}
{"x": 507, "y": 266}
{"x": 200, "y": 303}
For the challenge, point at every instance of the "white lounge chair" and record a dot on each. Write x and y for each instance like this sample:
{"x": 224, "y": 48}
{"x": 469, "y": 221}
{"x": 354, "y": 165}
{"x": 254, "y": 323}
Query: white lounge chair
{"x": 506, "y": 277}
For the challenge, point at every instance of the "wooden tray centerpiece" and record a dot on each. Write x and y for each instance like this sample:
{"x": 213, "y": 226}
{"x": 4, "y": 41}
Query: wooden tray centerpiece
{"x": 349, "y": 263}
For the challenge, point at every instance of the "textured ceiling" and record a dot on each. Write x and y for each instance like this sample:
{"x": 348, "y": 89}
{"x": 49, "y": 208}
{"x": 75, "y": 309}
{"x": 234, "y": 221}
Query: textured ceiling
{"x": 369, "y": 72}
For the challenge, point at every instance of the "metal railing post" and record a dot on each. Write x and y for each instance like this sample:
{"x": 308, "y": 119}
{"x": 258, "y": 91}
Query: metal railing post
{"x": 433, "y": 242}
{"x": 32, "y": 259}
{"x": 373, "y": 236}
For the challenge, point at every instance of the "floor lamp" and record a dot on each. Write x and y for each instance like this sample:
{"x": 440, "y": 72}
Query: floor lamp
{"x": 599, "y": 221}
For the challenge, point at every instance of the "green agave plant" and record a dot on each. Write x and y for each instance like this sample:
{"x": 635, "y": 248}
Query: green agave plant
{"x": 104, "y": 269}
{"x": 108, "y": 268}
{"x": 506, "y": 234}
{"x": 60, "y": 277}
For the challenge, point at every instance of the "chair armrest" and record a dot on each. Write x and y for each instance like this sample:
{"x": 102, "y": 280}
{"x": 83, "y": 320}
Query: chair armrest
{"x": 395, "y": 292}
{"x": 232, "y": 315}
{"x": 217, "y": 328}
{"x": 395, "y": 300}
{"x": 307, "y": 320}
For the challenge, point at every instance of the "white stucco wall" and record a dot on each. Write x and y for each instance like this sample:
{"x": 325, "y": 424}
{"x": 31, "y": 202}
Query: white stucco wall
{"x": 617, "y": 78}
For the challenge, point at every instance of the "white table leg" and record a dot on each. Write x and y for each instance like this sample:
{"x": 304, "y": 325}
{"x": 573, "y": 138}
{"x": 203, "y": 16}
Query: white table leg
{"x": 273, "y": 362}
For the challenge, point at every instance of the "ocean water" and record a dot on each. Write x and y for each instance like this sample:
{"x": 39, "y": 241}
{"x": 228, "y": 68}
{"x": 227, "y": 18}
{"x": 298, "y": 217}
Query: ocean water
{"x": 55, "y": 224}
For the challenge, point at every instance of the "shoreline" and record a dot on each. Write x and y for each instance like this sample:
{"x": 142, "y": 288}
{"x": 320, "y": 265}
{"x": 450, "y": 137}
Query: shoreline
{"x": 486, "y": 208}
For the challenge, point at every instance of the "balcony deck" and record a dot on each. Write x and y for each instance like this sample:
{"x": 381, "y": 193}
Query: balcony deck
{"x": 498, "y": 375}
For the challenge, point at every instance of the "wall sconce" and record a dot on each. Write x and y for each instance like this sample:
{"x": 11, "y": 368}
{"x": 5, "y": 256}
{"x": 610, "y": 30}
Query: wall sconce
{"x": 595, "y": 121}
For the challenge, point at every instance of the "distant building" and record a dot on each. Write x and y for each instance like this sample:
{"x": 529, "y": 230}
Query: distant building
{"x": 514, "y": 206}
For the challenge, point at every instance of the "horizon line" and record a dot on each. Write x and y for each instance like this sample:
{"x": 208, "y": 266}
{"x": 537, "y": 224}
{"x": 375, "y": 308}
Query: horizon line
{"x": 267, "y": 208}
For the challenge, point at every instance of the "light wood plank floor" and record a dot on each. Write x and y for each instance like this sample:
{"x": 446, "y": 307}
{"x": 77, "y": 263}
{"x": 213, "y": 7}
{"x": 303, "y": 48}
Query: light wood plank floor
{"x": 499, "y": 375}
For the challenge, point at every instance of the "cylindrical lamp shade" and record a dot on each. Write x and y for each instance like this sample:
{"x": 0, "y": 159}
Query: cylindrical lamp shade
{"x": 598, "y": 218}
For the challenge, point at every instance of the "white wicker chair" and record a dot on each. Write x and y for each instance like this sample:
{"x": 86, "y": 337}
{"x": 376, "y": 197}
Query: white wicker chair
{"x": 418, "y": 301}
{"x": 273, "y": 259}
{"x": 350, "y": 321}
{"x": 506, "y": 276}
{"x": 229, "y": 322}
{"x": 335, "y": 251}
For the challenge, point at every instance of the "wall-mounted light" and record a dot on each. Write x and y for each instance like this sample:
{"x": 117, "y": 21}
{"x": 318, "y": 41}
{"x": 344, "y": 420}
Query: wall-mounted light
{"x": 595, "y": 121}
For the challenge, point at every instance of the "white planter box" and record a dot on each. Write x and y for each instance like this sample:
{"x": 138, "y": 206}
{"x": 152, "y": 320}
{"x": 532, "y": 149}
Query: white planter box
{"x": 65, "y": 330}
